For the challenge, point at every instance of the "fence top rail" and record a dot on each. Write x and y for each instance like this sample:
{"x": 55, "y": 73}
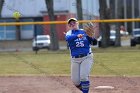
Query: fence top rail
{"x": 64, "y": 22}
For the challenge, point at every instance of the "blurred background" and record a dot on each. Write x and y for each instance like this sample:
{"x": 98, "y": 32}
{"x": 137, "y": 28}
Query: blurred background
{"x": 20, "y": 37}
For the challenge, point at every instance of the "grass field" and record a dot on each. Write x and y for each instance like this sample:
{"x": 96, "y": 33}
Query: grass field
{"x": 110, "y": 61}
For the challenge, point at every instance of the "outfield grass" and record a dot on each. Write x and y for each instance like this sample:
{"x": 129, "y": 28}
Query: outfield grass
{"x": 110, "y": 61}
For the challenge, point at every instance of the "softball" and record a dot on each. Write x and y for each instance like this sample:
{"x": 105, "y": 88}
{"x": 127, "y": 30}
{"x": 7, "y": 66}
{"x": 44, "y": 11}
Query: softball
{"x": 16, "y": 14}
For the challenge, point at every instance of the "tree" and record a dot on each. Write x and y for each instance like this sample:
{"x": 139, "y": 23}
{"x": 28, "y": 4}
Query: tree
{"x": 79, "y": 10}
{"x": 117, "y": 16}
{"x": 17, "y": 16}
{"x": 53, "y": 34}
{"x": 104, "y": 27}
{"x": 117, "y": 12}
{"x": 1, "y": 6}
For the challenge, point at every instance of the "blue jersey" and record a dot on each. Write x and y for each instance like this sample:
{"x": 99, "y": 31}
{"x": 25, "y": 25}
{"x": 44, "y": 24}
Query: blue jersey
{"x": 79, "y": 45}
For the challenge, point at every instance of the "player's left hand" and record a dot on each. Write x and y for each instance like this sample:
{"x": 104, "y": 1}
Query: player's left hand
{"x": 89, "y": 29}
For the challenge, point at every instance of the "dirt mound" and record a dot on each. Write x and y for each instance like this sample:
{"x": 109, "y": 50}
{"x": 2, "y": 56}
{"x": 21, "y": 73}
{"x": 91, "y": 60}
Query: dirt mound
{"x": 63, "y": 84}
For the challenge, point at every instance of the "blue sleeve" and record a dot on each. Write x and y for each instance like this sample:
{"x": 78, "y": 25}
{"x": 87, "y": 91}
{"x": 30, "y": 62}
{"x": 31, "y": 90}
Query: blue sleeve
{"x": 70, "y": 37}
{"x": 92, "y": 41}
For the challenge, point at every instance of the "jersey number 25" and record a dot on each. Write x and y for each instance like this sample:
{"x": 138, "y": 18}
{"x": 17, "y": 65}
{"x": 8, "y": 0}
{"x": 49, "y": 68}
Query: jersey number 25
{"x": 80, "y": 44}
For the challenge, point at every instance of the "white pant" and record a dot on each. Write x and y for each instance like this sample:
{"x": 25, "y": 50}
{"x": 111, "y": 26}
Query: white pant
{"x": 80, "y": 68}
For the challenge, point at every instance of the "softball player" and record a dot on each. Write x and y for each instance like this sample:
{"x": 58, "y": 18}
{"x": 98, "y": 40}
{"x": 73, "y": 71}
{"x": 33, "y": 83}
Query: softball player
{"x": 81, "y": 55}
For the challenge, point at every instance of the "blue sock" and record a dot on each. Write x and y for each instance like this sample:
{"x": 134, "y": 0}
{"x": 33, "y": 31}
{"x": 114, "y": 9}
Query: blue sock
{"x": 85, "y": 86}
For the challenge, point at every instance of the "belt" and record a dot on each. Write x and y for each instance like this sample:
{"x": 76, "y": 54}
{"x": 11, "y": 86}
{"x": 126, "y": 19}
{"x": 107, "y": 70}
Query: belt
{"x": 80, "y": 56}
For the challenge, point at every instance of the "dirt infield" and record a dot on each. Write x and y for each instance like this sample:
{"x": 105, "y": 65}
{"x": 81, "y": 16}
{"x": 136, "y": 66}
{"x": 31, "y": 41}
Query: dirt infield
{"x": 63, "y": 84}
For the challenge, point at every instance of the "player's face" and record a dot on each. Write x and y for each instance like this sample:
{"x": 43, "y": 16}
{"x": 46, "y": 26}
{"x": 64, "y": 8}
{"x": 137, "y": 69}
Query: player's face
{"x": 73, "y": 25}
